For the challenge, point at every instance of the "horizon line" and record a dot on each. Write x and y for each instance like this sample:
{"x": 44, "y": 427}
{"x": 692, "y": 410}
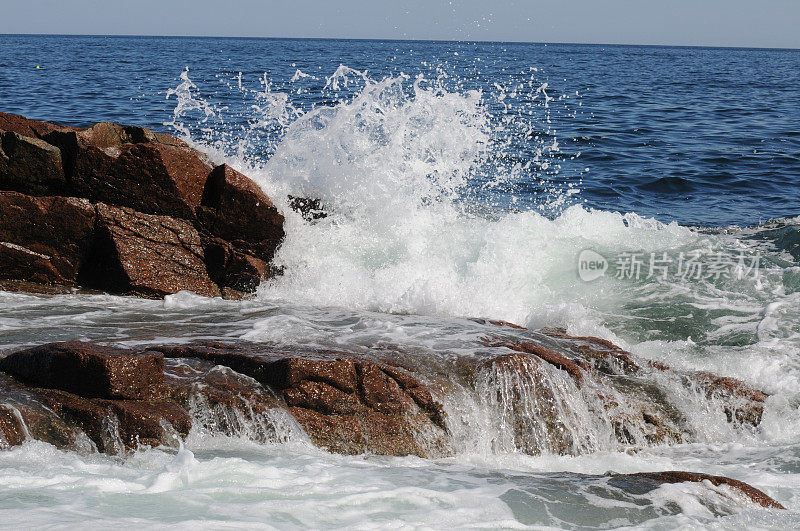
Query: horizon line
{"x": 476, "y": 41}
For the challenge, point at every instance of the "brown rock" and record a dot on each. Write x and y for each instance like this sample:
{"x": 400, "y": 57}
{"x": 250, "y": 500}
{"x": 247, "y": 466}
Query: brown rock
{"x": 153, "y": 178}
{"x": 71, "y": 141}
{"x": 630, "y": 400}
{"x": 117, "y": 425}
{"x": 518, "y": 386}
{"x": 499, "y": 323}
{"x": 141, "y": 135}
{"x": 146, "y": 255}
{"x": 53, "y": 411}
{"x": 337, "y": 372}
{"x": 742, "y": 403}
{"x": 22, "y": 416}
{"x": 102, "y": 135}
{"x": 224, "y": 402}
{"x": 88, "y": 370}
{"x": 346, "y": 404}
{"x": 359, "y": 402}
{"x": 575, "y": 367}
{"x": 657, "y": 478}
{"x": 25, "y": 126}
{"x": 244, "y": 272}
{"x": 232, "y": 269}
{"x": 23, "y": 286}
{"x": 12, "y": 430}
{"x": 380, "y": 391}
{"x": 534, "y": 404}
{"x": 65, "y": 420}
{"x": 322, "y": 398}
{"x": 44, "y": 239}
{"x": 20, "y": 262}
{"x": 30, "y": 165}
{"x": 150, "y": 173}
{"x": 235, "y": 209}
{"x": 730, "y": 386}
{"x": 599, "y": 354}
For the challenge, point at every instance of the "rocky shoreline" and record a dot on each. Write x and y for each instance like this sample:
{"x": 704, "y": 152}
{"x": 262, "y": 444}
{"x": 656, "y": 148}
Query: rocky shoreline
{"x": 88, "y": 397}
{"x": 128, "y": 211}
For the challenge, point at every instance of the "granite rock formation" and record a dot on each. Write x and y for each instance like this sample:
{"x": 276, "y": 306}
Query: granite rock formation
{"x": 127, "y": 210}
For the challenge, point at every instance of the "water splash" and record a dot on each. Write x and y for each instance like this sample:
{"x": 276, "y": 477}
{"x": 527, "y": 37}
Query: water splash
{"x": 418, "y": 178}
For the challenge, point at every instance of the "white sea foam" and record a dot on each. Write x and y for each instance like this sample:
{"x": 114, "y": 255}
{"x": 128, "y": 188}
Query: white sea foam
{"x": 393, "y": 166}
{"x": 228, "y": 483}
{"x": 403, "y": 256}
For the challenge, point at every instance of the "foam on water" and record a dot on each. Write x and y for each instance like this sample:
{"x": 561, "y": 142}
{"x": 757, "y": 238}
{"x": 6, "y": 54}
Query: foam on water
{"x": 229, "y": 483}
{"x": 414, "y": 175}
{"x": 411, "y": 173}
{"x": 395, "y": 166}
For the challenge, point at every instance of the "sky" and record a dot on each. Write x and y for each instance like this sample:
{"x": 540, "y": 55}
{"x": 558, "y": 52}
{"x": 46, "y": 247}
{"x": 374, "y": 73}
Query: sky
{"x": 750, "y": 23}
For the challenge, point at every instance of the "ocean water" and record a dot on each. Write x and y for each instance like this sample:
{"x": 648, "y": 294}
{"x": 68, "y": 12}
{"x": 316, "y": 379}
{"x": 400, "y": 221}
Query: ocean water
{"x": 646, "y": 195}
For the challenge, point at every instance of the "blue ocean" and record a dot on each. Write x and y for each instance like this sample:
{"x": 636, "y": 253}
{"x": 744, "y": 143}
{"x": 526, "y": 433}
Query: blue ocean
{"x": 645, "y": 195}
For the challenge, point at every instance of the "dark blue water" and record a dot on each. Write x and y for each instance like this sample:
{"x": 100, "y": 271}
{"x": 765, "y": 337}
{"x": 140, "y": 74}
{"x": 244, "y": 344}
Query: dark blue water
{"x": 698, "y": 135}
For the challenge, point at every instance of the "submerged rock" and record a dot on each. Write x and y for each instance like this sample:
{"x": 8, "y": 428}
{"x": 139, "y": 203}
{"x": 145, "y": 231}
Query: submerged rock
{"x": 645, "y": 481}
{"x": 136, "y": 212}
{"x": 346, "y": 404}
{"x": 539, "y": 393}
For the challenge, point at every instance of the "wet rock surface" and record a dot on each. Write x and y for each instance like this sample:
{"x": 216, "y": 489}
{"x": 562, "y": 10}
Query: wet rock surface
{"x": 23, "y": 416}
{"x": 115, "y": 426}
{"x": 224, "y": 402}
{"x": 550, "y": 393}
{"x": 88, "y": 370}
{"x": 637, "y": 400}
{"x": 346, "y": 404}
{"x": 110, "y": 207}
{"x": 91, "y": 397}
{"x": 645, "y": 481}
